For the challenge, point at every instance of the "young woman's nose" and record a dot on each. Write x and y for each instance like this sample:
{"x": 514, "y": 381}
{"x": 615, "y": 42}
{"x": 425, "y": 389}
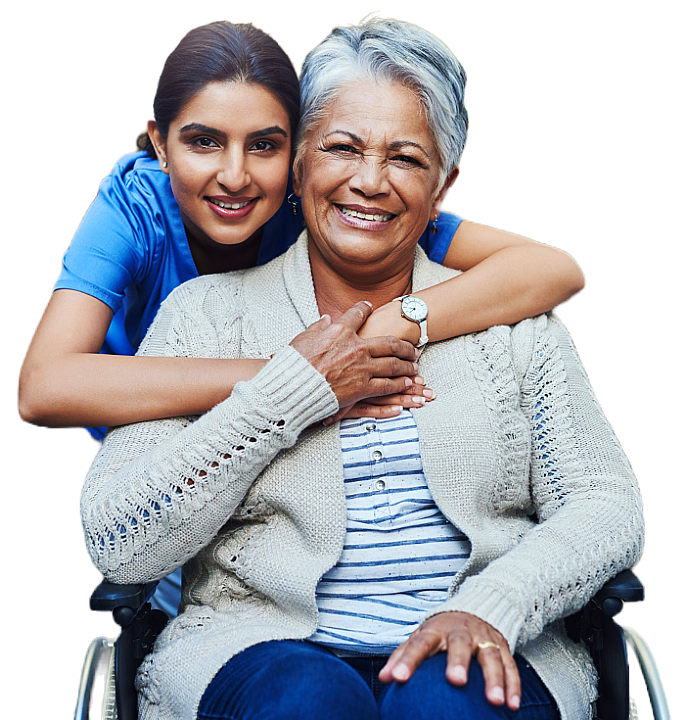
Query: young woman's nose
{"x": 233, "y": 174}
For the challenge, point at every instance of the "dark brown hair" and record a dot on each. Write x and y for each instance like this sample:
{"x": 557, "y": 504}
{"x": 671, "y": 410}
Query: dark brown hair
{"x": 222, "y": 52}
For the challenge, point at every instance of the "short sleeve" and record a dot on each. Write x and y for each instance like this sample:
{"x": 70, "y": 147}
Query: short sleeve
{"x": 437, "y": 243}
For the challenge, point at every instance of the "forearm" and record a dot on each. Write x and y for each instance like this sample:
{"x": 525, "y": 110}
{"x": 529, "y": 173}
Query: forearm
{"x": 89, "y": 389}
{"x": 160, "y": 491}
{"x": 506, "y": 287}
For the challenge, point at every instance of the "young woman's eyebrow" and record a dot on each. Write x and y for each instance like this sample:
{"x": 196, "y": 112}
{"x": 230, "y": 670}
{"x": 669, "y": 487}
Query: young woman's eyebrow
{"x": 198, "y": 127}
{"x": 272, "y": 130}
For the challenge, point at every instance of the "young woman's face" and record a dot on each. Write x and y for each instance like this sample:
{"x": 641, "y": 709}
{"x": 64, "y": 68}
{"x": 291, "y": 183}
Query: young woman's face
{"x": 228, "y": 154}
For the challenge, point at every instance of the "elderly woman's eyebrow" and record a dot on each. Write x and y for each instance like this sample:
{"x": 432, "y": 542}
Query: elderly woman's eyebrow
{"x": 396, "y": 145}
{"x": 400, "y": 144}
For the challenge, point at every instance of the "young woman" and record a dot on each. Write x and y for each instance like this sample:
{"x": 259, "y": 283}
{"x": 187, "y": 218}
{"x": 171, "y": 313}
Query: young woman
{"x": 211, "y": 193}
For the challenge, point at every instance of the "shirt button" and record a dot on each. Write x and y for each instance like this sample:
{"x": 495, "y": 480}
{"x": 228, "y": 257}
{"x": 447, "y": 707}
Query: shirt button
{"x": 380, "y": 485}
{"x": 370, "y": 427}
{"x": 377, "y": 455}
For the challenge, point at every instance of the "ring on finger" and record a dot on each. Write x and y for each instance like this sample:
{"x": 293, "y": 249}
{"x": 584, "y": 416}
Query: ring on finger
{"x": 488, "y": 644}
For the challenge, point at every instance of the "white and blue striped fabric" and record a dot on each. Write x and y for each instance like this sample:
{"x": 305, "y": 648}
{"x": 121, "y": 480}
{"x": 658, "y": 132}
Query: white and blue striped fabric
{"x": 400, "y": 552}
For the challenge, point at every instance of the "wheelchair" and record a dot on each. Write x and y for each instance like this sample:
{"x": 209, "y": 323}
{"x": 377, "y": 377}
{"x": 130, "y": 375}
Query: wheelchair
{"x": 107, "y": 689}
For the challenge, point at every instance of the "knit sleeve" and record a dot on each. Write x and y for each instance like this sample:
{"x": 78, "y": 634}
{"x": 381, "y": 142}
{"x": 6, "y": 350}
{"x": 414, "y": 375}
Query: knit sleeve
{"x": 586, "y": 500}
{"x": 159, "y": 491}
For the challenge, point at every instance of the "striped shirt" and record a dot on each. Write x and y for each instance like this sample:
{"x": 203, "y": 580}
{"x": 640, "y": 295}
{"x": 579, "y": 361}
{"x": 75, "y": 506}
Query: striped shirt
{"x": 400, "y": 552}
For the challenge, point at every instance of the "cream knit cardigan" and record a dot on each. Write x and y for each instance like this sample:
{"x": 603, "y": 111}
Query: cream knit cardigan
{"x": 250, "y": 497}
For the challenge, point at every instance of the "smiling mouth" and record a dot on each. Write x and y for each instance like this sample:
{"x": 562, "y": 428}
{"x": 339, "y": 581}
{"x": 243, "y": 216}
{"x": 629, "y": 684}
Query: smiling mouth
{"x": 229, "y": 206}
{"x": 370, "y": 217}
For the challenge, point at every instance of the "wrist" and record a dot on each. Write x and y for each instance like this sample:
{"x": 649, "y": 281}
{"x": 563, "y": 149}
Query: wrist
{"x": 387, "y": 320}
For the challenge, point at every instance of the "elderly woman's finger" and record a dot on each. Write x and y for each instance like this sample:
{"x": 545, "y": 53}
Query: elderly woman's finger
{"x": 490, "y": 660}
{"x": 404, "y": 661}
{"x": 356, "y": 315}
{"x": 502, "y": 679}
{"x": 390, "y": 346}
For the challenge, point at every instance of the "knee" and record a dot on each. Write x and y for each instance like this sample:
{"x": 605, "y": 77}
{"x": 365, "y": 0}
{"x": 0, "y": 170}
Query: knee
{"x": 322, "y": 687}
{"x": 428, "y": 694}
{"x": 290, "y": 681}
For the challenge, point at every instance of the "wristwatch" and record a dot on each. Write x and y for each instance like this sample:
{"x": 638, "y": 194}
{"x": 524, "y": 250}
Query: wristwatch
{"x": 415, "y": 310}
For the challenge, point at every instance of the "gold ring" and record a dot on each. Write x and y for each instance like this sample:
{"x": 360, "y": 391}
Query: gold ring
{"x": 488, "y": 644}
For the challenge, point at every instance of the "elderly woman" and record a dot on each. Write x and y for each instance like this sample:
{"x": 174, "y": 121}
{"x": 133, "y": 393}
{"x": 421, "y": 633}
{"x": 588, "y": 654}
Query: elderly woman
{"x": 440, "y": 549}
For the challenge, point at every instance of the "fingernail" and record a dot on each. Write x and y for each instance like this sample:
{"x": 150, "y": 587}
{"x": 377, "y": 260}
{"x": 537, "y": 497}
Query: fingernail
{"x": 515, "y": 702}
{"x": 401, "y": 673}
{"x": 368, "y": 303}
{"x": 430, "y": 394}
{"x": 415, "y": 368}
{"x": 328, "y": 421}
{"x": 497, "y": 694}
{"x": 419, "y": 380}
{"x": 418, "y": 400}
{"x": 460, "y": 674}
{"x": 408, "y": 382}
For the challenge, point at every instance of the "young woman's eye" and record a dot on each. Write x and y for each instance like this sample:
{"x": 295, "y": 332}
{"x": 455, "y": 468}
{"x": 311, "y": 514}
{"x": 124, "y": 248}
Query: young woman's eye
{"x": 204, "y": 142}
{"x": 263, "y": 146}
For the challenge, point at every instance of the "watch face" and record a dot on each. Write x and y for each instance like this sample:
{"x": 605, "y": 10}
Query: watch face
{"x": 414, "y": 308}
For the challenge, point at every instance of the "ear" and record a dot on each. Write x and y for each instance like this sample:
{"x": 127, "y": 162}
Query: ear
{"x": 296, "y": 174}
{"x": 159, "y": 145}
{"x": 437, "y": 203}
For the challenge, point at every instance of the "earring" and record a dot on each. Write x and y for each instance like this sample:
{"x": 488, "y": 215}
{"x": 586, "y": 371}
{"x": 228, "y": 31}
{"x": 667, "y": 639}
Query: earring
{"x": 294, "y": 204}
{"x": 164, "y": 163}
{"x": 433, "y": 227}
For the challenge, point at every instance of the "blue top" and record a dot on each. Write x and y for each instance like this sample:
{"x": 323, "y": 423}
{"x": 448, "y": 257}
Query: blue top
{"x": 130, "y": 250}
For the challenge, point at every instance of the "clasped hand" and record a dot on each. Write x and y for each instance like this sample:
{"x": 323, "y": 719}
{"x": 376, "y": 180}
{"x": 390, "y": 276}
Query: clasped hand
{"x": 461, "y": 636}
{"x": 357, "y": 368}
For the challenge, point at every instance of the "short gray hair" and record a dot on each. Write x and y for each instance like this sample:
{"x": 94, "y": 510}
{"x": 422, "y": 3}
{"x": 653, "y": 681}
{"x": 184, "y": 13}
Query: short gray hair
{"x": 397, "y": 51}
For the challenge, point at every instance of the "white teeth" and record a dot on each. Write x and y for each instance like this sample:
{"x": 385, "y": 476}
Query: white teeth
{"x": 229, "y": 206}
{"x": 365, "y": 216}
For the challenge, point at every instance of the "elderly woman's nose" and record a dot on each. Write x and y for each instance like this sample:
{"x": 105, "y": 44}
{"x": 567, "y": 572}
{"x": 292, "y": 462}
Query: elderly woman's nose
{"x": 233, "y": 172}
{"x": 371, "y": 177}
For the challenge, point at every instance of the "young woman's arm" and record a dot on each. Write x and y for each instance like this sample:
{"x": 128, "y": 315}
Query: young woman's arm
{"x": 65, "y": 381}
{"x": 506, "y": 278}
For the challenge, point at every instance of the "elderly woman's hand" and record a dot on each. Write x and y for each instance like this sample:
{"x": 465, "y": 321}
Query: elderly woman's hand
{"x": 357, "y": 369}
{"x": 461, "y": 636}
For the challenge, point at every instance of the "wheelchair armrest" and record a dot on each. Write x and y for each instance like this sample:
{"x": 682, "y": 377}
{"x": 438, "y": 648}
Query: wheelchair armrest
{"x": 625, "y": 587}
{"x": 124, "y": 601}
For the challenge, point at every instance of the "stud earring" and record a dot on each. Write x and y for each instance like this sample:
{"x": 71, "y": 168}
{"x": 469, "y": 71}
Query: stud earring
{"x": 294, "y": 204}
{"x": 164, "y": 163}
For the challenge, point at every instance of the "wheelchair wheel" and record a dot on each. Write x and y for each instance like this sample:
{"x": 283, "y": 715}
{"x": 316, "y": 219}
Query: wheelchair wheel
{"x": 110, "y": 694}
{"x": 634, "y": 710}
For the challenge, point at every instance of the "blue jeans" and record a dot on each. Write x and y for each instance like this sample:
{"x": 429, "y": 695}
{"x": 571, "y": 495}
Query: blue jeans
{"x": 293, "y": 680}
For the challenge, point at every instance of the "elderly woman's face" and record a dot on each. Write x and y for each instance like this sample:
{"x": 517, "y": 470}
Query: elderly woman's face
{"x": 368, "y": 175}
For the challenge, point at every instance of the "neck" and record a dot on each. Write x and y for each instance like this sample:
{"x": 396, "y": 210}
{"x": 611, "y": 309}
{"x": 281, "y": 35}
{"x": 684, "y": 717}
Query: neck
{"x": 336, "y": 290}
{"x": 218, "y": 258}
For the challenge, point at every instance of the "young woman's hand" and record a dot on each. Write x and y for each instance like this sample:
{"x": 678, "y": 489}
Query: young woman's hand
{"x": 415, "y": 396}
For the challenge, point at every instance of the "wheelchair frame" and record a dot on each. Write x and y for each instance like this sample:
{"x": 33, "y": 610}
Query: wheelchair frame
{"x": 114, "y": 664}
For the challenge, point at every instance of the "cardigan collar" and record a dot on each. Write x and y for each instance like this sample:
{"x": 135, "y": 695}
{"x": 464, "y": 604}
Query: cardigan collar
{"x": 298, "y": 277}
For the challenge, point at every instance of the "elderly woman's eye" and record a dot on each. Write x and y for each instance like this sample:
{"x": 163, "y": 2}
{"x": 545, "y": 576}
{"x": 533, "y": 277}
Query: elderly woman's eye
{"x": 342, "y": 148}
{"x": 407, "y": 160}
